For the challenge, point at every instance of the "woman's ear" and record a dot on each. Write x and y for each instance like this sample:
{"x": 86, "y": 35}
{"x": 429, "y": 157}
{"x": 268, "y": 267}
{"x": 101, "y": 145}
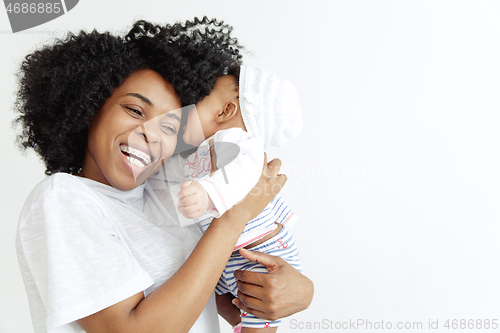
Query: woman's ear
{"x": 229, "y": 110}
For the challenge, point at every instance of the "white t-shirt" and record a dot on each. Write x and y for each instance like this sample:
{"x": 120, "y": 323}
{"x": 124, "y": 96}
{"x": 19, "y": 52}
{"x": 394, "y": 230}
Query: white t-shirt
{"x": 83, "y": 246}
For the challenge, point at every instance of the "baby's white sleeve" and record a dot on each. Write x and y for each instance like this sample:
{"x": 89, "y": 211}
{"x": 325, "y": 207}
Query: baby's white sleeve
{"x": 75, "y": 258}
{"x": 237, "y": 173}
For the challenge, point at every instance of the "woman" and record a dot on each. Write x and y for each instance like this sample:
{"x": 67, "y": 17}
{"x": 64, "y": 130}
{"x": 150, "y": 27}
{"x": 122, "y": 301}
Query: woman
{"x": 93, "y": 238}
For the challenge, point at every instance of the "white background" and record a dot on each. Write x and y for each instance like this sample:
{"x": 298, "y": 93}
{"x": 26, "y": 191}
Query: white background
{"x": 395, "y": 177}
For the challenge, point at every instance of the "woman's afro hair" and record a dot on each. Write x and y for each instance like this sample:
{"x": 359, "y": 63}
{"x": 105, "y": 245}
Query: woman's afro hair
{"x": 61, "y": 88}
{"x": 192, "y": 56}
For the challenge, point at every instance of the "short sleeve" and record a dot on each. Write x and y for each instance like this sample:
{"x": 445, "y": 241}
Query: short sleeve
{"x": 76, "y": 259}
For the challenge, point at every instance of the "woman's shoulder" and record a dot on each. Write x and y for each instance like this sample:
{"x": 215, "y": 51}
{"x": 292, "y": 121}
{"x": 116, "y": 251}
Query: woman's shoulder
{"x": 59, "y": 183}
{"x": 60, "y": 191}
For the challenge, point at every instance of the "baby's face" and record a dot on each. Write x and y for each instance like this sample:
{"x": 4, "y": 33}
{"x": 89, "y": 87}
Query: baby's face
{"x": 197, "y": 122}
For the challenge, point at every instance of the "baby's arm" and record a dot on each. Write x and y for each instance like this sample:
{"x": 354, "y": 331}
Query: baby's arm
{"x": 227, "y": 309}
{"x": 237, "y": 173}
{"x": 237, "y": 164}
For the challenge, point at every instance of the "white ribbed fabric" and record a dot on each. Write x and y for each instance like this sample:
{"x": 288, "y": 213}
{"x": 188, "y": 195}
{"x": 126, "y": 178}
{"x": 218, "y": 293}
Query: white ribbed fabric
{"x": 270, "y": 106}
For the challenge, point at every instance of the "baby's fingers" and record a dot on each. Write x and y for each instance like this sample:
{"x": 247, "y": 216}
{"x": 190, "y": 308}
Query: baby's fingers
{"x": 191, "y": 212}
{"x": 189, "y": 200}
{"x": 187, "y": 189}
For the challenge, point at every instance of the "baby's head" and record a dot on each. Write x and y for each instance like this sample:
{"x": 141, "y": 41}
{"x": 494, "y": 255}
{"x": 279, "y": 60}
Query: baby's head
{"x": 217, "y": 111}
{"x": 252, "y": 99}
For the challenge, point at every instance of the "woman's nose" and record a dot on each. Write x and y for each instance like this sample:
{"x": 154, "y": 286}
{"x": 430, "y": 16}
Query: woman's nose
{"x": 150, "y": 130}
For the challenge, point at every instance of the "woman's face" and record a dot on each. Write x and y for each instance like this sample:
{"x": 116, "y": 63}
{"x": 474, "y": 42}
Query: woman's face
{"x": 134, "y": 132}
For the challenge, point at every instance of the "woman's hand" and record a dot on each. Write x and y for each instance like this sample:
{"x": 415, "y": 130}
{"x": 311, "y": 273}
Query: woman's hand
{"x": 266, "y": 189}
{"x": 281, "y": 293}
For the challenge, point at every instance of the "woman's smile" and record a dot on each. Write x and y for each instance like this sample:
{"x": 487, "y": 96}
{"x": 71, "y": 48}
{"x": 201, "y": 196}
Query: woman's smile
{"x": 136, "y": 156}
{"x": 135, "y": 160}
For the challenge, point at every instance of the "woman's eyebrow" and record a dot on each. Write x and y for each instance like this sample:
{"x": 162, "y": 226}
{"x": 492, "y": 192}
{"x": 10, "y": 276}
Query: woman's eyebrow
{"x": 144, "y": 99}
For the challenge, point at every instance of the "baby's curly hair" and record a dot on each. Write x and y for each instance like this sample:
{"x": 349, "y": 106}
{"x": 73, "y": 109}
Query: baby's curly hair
{"x": 61, "y": 88}
{"x": 193, "y": 55}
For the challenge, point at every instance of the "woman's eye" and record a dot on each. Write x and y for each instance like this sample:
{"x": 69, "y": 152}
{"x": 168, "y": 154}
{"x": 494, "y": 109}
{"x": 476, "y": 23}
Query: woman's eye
{"x": 168, "y": 129}
{"x": 137, "y": 112}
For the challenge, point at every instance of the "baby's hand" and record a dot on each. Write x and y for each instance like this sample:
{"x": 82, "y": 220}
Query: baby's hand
{"x": 193, "y": 200}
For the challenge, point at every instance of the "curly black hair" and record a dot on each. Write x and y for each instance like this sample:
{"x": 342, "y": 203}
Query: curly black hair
{"x": 191, "y": 55}
{"x": 61, "y": 88}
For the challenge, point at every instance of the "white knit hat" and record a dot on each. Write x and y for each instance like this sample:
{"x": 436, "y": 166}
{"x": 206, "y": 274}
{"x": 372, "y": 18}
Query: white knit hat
{"x": 270, "y": 106}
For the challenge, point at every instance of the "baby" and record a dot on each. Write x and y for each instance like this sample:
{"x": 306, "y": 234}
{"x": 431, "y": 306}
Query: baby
{"x": 241, "y": 117}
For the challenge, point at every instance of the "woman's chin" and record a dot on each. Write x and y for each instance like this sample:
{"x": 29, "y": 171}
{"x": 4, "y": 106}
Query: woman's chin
{"x": 130, "y": 179}
{"x": 126, "y": 183}
{"x": 142, "y": 174}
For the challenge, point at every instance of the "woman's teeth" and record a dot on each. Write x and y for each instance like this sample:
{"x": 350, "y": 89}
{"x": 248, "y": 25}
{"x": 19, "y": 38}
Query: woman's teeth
{"x": 136, "y": 162}
{"x": 136, "y": 157}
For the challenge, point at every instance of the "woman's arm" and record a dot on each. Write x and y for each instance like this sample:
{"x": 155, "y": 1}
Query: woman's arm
{"x": 177, "y": 303}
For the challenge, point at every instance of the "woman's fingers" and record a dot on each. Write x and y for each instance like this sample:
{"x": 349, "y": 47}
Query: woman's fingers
{"x": 248, "y": 277}
{"x": 249, "y": 289}
{"x": 245, "y": 308}
{"x": 251, "y": 302}
{"x": 273, "y": 168}
{"x": 280, "y": 293}
{"x": 262, "y": 309}
{"x": 272, "y": 171}
{"x": 271, "y": 182}
{"x": 279, "y": 183}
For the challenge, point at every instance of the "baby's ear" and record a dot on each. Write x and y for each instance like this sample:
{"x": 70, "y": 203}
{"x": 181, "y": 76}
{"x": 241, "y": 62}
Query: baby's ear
{"x": 229, "y": 110}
